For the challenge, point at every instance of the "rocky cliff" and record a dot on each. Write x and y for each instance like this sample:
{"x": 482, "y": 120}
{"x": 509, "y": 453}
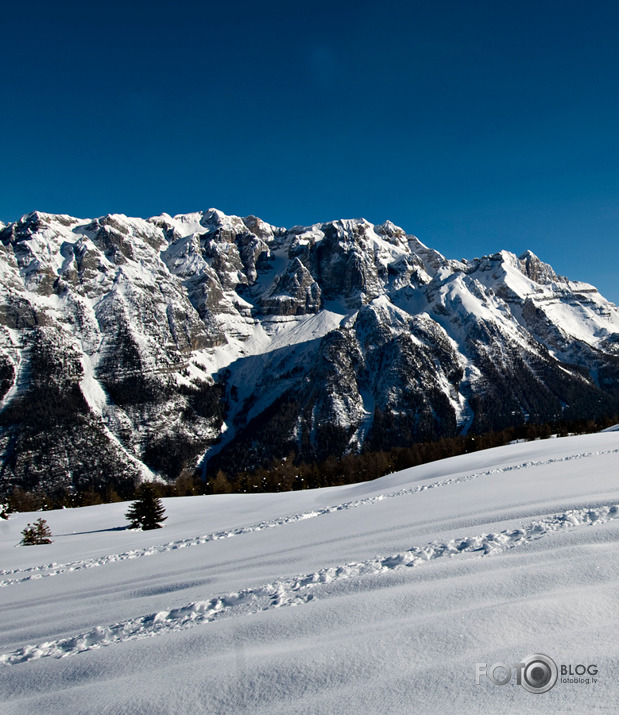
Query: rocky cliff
{"x": 131, "y": 348}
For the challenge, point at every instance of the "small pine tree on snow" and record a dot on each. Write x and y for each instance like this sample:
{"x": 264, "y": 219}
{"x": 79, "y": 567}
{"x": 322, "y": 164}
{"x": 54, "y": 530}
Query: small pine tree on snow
{"x": 147, "y": 511}
{"x": 37, "y": 533}
{"x": 4, "y": 510}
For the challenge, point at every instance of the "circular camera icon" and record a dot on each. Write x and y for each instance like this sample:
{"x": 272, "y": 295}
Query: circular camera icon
{"x": 539, "y": 673}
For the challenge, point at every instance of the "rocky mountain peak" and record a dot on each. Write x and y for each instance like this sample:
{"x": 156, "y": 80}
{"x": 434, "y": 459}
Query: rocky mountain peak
{"x": 206, "y": 341}
{"x": 537, "y": 270}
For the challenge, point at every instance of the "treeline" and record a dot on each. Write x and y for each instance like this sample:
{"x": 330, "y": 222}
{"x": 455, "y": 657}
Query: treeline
{"x": 287, "y": 474}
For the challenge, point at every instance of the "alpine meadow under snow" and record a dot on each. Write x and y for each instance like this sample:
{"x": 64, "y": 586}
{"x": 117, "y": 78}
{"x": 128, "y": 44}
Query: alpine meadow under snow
{"x": 375, "y": 597}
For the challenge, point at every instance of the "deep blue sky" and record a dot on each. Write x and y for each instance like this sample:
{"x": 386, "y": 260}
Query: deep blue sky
{"x": 475, "y": 125}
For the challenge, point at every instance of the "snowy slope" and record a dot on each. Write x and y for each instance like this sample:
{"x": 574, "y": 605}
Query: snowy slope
{"x": 375, "y": 597}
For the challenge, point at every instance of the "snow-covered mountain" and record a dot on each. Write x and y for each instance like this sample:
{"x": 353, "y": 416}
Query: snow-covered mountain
{"x": 381, "y": 597}
{"x": 130, "y": 347}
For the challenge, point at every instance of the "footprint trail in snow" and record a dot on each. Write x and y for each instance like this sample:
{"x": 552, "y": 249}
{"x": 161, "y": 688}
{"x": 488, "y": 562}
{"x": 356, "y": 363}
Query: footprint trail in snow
{"x": 298, "y": 590}
{"x": 16, "y": 576}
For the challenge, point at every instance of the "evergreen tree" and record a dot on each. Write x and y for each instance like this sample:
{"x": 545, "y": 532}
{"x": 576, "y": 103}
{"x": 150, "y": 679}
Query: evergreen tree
{"x": 147, "y": 511}
{"x": 37, "y": 533}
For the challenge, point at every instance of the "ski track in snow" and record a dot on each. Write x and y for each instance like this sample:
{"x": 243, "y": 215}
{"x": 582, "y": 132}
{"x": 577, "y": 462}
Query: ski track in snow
{"x": 54, "y": 569}
{"x": 298, "y": 590}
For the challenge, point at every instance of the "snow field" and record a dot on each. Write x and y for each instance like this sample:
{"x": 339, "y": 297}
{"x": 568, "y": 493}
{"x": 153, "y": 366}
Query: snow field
{"x": 400, "y": 585}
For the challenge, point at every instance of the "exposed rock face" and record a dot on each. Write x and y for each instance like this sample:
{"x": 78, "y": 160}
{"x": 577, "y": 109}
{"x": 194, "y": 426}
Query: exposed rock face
{"x": 130, "y": 347}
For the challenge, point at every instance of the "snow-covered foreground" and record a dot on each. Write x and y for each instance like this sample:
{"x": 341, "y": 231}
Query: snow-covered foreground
{"x": 400, "y": 588}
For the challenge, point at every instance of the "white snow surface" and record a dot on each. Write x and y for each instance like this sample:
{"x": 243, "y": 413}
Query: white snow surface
{"x": 379, "y": 597}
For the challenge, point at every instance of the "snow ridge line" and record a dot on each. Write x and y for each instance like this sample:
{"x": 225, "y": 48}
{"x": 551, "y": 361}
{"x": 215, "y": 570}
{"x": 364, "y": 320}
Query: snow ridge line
{"x": 55, "y": 569}
{"x": 298, "y": 590}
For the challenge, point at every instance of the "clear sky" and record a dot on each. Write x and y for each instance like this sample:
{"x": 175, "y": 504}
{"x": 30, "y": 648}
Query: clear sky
{"x": 476, "y": 125}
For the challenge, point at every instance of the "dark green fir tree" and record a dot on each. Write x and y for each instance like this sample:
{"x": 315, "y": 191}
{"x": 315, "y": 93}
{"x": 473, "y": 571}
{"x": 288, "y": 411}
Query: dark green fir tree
{"x": 37, "y": 533}
{"x": 147, "y": 512}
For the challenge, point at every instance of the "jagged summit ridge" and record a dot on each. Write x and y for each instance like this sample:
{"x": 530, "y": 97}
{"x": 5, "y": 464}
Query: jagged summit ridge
{"x": 175, "y": 341}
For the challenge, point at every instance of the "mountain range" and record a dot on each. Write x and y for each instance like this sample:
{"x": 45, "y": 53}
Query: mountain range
{"x": 134, "y": 348}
